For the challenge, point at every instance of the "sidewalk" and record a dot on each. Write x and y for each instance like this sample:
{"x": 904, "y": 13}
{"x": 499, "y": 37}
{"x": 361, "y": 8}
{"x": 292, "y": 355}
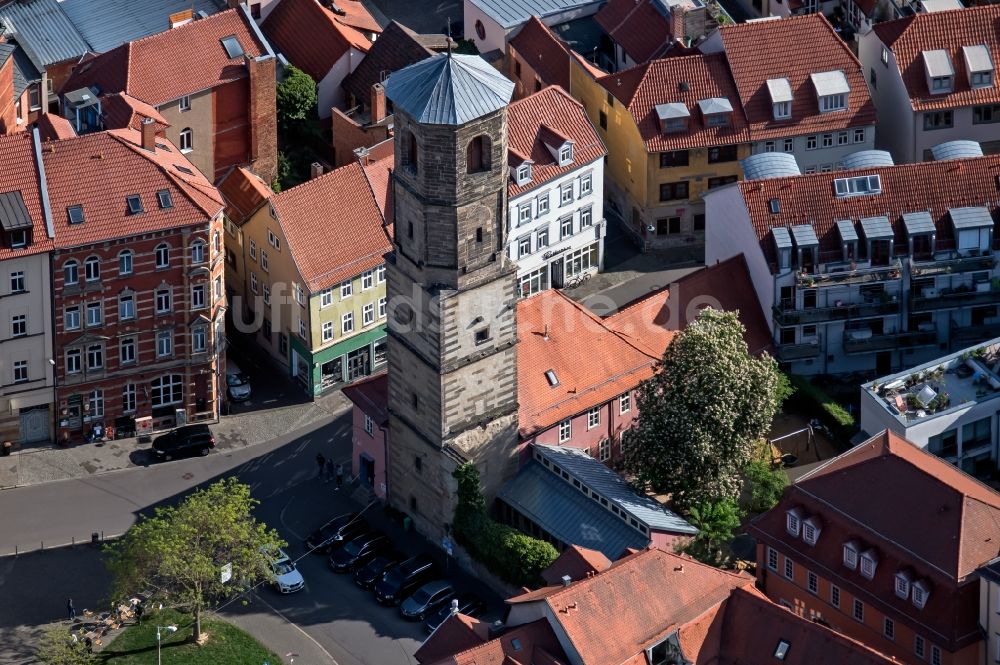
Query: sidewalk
{"x": 261, "y": 422}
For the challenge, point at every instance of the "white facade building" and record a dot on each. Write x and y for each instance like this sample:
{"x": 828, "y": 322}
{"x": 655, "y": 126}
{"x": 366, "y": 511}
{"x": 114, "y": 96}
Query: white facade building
{"x": 556, "y": 192}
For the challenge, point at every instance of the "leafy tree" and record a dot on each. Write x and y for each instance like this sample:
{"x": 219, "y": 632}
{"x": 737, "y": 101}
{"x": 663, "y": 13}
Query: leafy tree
{"x": 702, "y": 412}
{"x": 179, "y": 552}
{"x": 764, "y": 484}
{"x": 56, "y": 646}
{"x": 296, "y": 98}
{"x": 716, "y": 522}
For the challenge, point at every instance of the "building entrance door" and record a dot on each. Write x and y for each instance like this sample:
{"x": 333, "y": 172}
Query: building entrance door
{"x": 367, "y": 474}
{"x": 34, "y": 424}
{"x": 556, "y": 274}
{"x": 358, "y": 363}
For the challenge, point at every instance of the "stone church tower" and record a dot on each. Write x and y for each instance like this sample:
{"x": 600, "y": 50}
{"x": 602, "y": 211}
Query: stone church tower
{"x": 451, "y": 289}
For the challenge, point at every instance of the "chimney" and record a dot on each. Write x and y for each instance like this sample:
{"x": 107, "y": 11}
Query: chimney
{"x": 677, "y": 22}
{"x": 148, "y": 134}
{"x": 263, "y": 148}
{"x": 378, "y": 103}
{"x": 566, "y": 579}
{"x": 363, "y": 155}
{"x": 315, "y": 170}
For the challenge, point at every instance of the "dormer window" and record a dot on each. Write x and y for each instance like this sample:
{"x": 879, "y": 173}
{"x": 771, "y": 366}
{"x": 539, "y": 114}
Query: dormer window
{"x": 522, "y": 175}
{"x": 782, "y": 110}
{"x": 566, "y": 154}
{"x": 717, "y": 111}
{"x": 869, "y": 562}
{"x": 781, "y": 98}
{"x": 15, "y": 221}
{"x": 793, "y": 521}
{"x": 979, "y": 64}
{"x": 920, "y": 592}
{"x": 903, "y": 580}
{"x": 672, "y": 117}
{"x": 939, "y": 71}
{"x": 810, "y": 530}
{"x": 870, "y": 184}
{"x": 832, "y": 90}
{"x": 851, "y": 554}
{"x": 18, "y": 238}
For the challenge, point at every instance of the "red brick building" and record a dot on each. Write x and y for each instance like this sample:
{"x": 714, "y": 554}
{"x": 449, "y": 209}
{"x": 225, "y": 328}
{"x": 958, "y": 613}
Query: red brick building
{"x": 882, "y": 544}
{"x": 137, "y": 280}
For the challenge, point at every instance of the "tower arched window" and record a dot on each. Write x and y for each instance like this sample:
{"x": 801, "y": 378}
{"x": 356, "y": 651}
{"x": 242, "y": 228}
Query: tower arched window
{"x": 478, "y": 154}
{"x": 410, "y": 151}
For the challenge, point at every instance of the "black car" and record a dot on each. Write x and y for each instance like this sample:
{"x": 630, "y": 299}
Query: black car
{"x": 358, "y": 552}
{"x": 332, "y": 534}
{"x": 404, "y": 579}
{"x": 183, "y": 441}
{"x": 367, "y": 575}
{"x": 469, "y": 604}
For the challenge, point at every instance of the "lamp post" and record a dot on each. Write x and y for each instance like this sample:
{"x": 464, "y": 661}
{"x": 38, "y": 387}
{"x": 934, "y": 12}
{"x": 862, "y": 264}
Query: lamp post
{"x": 169, "y": 629}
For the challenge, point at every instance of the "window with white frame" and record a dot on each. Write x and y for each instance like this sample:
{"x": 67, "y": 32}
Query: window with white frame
{"x": 812, "y": 582}
{"x": 253, "y": 282}
{"x": 92, "y": 268}
{"x": 566, "y": 194}
{"x": 837, "y": 102}
{"x": 827, "y": 140}
{"x": 869, "y": 562}
{"x": 126, "y": 306}
{"x": 565, "y": 227}
{"x": 253, "y": 249}
{"x": 542, "y": 204}
{"x": 95, "y": 313}
{"x": 859, "y": 135}
{"x": 624, "y": 403}
{"x": 302, "y": 330}
{"x": 167, "y": 390}
{"x": 19, "y": 325}
{"x": 327, "y": 331}
{"x": 586, "y": 217}
{"x": 325, "y": 298}
{"x": 810, "y": 530}
{"x": 346, "y": 289}
{"x": 17, "y": 281}
{"x": 199, "y": 340}
{"x": 368, "y": 314}
{"x": 128, "y": 397}
{"x": 273, "y": 240}
{"x": 381, "y": 308}
{"x": 593, "y": 417}
{"x": 793, "y": 521}
{"x": 772, "y": 558}
{"x": 96, "y": 400}
{"x": 186, "y": 140}
{"x": 71, "y": 272}
{"x": 367, "y": 280}
{"x": 126, "y": 350}
{"x": 903, "y": 579}
{"x": 380, "y": 274}
{"x": 811, "y": 142}
{"x": 604, "y": 450}
{"x": 789, "y": 145}
{"x": 523, "y": 214}
{"x": 523, "y": 174}
{"x": 859, "y": 610}
{"x": 542, "y": 238}
{"x": 263, "y": 261}
{"x": 919, "y": 594}
{"x": 162, "y": 301}
{"x": 369, "y": 425}
{"x": 198, "y": 296}
{"x": 524, "y": 246}
{"x": 347, "y": 323}
{"x": 267, "y": 294}
{"x": 835, "y": 595}
{"x": 789, "y": 569}
{"x": 184, "y": 103}
{"x": 95, "y": 356}
{"x": 164, "y": 343}
{"x": 586, "y": 184}
{"x": 20, "y": 371}
{"x": 197, "y": 252}
{"x": 125, "y": 262}
{"x": 162, "y": 253}
{"x": 73, "y": 361}
{"x": 565, "y": 430}
{"x": 566, "y": 154}
{"x": 71, "y": 318}
{"x": 935, "y": 655}
{"x": 851, "y": 554}
{"x": 217, "y": 282}
{"x": 782, "y": 110}
{"x": 768, "y": 146}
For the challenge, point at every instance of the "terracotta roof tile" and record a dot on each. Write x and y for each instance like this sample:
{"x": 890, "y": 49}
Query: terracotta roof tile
{"x": 456, "y": 634}
{"x": 397, "y": 47}
{"x": 517, "y": 646}
{"x": 98, "y": 171}
{"x": 931, "y": 186}
{"x": 333, "y": 226}
{"x": 369, "y": 395}
{"x": 244, "y": 193}
{"x": 170, "y": 64}
{"x": 577, "y": 562}
{"x": 638, "y": 27}
{"x": 52, "y": 126}
{"x": 682, "y": 79}
{"x": 543, "y": 51}
{"x": 356, "y": 16}
{"x": 954, "y": 528}
{"x": 121, "y": 111}
{"x": 551, "y": 330}
{"x": 949, "y": 30}
{"x": 311, "y": 36}
{"x": 550, "y": 112}
{"x": 19, "y": 173}
{"x": 793, "y": 49}
{"x": 378, "y": 170}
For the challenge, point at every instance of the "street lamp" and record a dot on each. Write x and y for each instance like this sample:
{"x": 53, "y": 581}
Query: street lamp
{"x": 169, "y": 629}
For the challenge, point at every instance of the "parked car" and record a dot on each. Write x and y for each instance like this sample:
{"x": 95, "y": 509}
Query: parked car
{"x": 282, "y": 572}
{"x": 358, "y": 552}
{"x": 366, "y": 576}
{"x": 183, "y": 441}
{"x": 237, "y": 383}
{"x": 331, "y": 534}
{"x": 468, "y": 604}
{"x": 427, "y": 599}
{"x": 402, "y": 580}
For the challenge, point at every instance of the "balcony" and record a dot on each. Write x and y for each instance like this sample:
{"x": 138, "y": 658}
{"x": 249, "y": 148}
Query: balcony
{"x": 950, "y": 261}
{"x": 855, "y": 342}
{"x": 960, "y": 296}
{"x": 786, "y": 353}
{"x": 841, "y": 273}
{"x": 969, "y": 335}
{"x": 785, "y": 313}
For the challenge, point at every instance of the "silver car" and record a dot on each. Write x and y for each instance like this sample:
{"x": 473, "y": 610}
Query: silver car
{"x": 283, "y": 573}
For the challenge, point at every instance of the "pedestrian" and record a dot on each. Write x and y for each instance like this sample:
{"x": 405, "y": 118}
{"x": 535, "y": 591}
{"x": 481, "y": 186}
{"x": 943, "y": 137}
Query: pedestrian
{"x": 70, "y": 609}
{"x": 320, "y": 464}
{"x": 340, "y": 475}
{"x": 329, "y": 470}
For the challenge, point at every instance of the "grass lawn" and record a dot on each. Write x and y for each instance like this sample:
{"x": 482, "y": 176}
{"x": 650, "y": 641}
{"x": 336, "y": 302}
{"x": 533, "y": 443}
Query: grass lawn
{"x": 226, "y": 645}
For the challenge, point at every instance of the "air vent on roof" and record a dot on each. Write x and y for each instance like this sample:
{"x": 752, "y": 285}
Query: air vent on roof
{"x": 683, "y": 86}
{"x": 75, "y": 214}
{"x": 233, "y": 47}
{"x": 163, "y": 196}
{"x": 134, "y": 204}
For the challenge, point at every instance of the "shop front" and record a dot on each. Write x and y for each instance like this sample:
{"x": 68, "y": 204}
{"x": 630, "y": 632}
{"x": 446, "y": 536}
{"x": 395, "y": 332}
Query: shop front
{"x": 346, "y": 361}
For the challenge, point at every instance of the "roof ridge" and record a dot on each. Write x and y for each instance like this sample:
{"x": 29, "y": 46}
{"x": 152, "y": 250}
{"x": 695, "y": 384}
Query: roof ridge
{"x": 312, "y": 181}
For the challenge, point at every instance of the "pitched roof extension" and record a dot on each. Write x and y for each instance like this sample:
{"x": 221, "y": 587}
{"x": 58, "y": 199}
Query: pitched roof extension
{"x": 122, "y": 111}
{"x": 908, "y": 38}
{"x": 396, "y": 48}
{"x": 576, "y": 562}
{"x": 641, "y": 28}
{"x": 368, "y": 394}
{"x": 792, "y": 49}
{"x": 168, "y": 65}
{"x": 551, "y": 109}
{"x": 311, "y": 36}
{"x": 543, "y": 51}
{"x": 52, "y": 127}
{"x": 378, "y": 166}
{"x": 244, "y": 193}
{"x": 44, "y": 30}
{"x": 529, "y": 644}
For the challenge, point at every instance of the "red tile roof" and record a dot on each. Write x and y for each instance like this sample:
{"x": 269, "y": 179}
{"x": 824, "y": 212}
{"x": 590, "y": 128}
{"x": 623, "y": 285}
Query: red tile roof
{"x": 121, "y": 111}
{"x": 397, "y": 47}
{"x": 340, "y": 206}
{"x": 577, "y": 562}
{"x": 529, "y": 644}
{"x": 170, "y": 64}
{"x": 244, "y": 193}
{"x": 638, "y": 27}
{"x": 543, "y": 51}
{"x": 369, "y": 395}
{"x": 953, "y": 527}
{"x": 311, "y": 36}
{"x": 378, "y": 168}
{"x": 663, "y": 81}
{"x": 549, "y": 112}
{"x": 52, "y": 126}
{"x": 456, "y": 634}
{"x": 19, "y": 173}
{"x": 551, "y": 330}
{"x": 356, "y": 15}
{"x": 931, "y": 186}
{"x": 950, "y": 30}
{"x": 793, "y": 48}
{"x": 98, "y": 171}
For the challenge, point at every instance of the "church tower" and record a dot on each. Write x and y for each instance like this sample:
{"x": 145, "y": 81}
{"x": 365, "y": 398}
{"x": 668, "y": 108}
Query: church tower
{"x": 451, "y": 289}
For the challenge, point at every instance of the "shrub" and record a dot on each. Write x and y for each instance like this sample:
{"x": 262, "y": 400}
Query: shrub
{"x": 815, "y": 400}
{"x": 765, "y": 485}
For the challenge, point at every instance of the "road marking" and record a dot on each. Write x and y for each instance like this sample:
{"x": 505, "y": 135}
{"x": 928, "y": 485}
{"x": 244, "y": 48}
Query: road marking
{"x": 298, "y": 628}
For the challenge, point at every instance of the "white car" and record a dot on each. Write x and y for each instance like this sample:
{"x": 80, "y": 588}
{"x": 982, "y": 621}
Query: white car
{"x": 237, "y": 383}
{"x": 283, "y": 573}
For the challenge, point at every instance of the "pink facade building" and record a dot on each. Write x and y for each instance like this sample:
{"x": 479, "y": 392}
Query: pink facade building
{"x": 370, "y": 431}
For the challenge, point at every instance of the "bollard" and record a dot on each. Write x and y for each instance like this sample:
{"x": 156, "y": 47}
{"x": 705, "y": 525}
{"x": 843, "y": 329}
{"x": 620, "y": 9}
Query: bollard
{"x": 93, "y": 538}
{"x": 72, "y": 542}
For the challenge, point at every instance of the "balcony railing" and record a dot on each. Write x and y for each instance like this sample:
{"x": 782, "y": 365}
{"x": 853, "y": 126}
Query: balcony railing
{"x": 887, "y": 341}
{"x": 950, "y": 262}
{"x": 789, "y": 352}
{"x": 959, "y": 297}
{"x": 785, "y": 314}
{"x": 962, "y": 336}
{"x": 842, "y": 273}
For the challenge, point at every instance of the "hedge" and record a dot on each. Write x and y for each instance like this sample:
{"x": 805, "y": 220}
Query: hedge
{"x": 815, "y": 400}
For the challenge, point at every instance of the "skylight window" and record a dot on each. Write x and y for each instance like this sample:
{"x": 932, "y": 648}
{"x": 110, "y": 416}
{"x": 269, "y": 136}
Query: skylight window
{"x": 163, "y": 196}
{"x": 184, "y": 169}
{"x": 515, "y": 644}
{"x": 866, "y": 184}
{"x": 233, "y": 47}
{"x": 134, "y": 204}
{"x": 775, "y": 206}
{"x": 781, "y": 650}
{"x": 75, "y": 214}
{"x": 550, "y": 376}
